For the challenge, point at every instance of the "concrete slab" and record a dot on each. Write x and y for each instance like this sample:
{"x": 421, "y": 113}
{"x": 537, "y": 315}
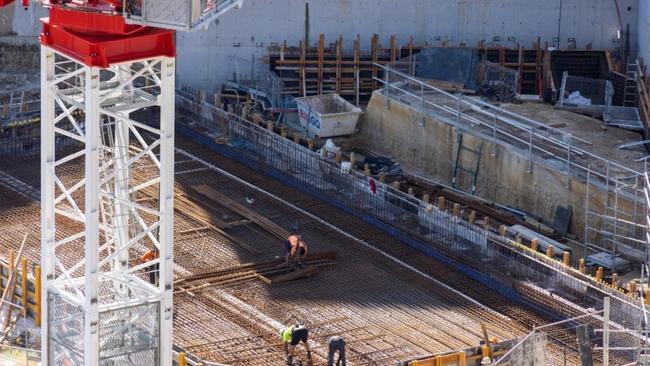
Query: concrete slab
{"x": 603, "y": 142}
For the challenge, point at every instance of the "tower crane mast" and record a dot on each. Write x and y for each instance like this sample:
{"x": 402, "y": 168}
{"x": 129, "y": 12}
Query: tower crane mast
{"x": 107, "y": 95}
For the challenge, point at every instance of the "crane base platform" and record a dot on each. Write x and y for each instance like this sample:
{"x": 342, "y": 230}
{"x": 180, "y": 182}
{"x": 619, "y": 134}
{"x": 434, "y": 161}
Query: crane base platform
{"x": 119, "y": 43}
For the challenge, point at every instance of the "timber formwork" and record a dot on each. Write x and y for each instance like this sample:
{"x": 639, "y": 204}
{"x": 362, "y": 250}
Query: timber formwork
{"x": 331, "y": 68}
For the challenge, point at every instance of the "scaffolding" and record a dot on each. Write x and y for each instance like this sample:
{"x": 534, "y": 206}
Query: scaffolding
{"x": 261, "y": 84}
{"x": 615, "y": 219}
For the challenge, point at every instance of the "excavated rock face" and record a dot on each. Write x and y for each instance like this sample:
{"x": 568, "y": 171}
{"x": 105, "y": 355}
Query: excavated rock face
{"x": 19, "y": 64}
{"x": 19, "y": 55}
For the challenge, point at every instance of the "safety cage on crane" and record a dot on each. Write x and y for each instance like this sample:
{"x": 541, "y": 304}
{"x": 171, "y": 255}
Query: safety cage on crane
{"x": 175, "y": 14}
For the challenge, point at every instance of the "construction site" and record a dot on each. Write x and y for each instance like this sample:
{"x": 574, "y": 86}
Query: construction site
{"x": 247, "y": 182}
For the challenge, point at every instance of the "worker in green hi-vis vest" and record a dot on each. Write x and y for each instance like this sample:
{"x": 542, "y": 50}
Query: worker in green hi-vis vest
{"x": 293, "y": 335}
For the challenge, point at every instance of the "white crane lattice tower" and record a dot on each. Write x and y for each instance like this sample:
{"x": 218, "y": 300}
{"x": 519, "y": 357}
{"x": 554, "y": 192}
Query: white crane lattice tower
{"x": 107, "y": 177}
{"x": 100, "y": 307}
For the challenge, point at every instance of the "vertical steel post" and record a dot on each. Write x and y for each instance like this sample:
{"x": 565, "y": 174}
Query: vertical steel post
{"x": 92, "y": 192}
{"x": 168, "y": 69}
{"x": 121, "y": 186}
{"x": 458, "y": 96}
{"x": 587, "y": 213}
{"x": 606, "y": 331}
{"x": 494, "y": 134}
{"x": 568, "y": 160}
{"x": 422, "y": 104}
{"x": 530, "y": 150}
{"x": 47, "y": 193}
{"x": 615, "y": 230}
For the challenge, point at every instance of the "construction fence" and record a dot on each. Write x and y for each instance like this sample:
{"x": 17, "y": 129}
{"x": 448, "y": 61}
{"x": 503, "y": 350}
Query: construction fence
{"x": 581, "y": 91}
{"x": 544, "y": 284}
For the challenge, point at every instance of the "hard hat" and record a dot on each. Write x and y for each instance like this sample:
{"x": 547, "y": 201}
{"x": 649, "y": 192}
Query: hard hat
{"x": 486, "y": 361}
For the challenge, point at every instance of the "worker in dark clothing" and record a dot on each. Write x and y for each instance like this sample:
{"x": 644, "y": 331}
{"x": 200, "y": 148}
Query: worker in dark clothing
{"x": 293, "y": 335}
{"x": 296, "y": 250}
{"x": 336, "y": 344}
{"x": 154, "y": 269}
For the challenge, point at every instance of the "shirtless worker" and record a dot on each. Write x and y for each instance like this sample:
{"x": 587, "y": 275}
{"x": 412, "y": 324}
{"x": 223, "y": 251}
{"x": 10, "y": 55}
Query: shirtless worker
{"x": 296, "y": 249}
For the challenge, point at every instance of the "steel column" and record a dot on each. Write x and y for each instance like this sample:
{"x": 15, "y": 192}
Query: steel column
{"x": 167, "y": 108}
{"x": 47, "y": 191}
{"x": 92, "y": 171}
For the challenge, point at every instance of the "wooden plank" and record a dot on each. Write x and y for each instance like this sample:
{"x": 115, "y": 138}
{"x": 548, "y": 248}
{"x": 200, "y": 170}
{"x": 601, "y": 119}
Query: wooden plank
{"x": 223, "y": 200}
{"x": 238, "y": 223}
{"x": 303, "y": 83}
{"x": 339, "y": 51}
{"x": 321, "y": 58}
{"x": 374, "y": 49}
{"x": 446, "y": 85}
{"x": 8, "y": 294}
{"x": 357, "y": 56}
{"x": 393, "y": 48}
{"x": 292, "y": 276}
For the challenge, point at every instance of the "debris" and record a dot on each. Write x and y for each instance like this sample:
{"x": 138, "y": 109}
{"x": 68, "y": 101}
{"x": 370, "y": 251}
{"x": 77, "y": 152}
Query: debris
{"x": 380, "y": 164}
{"x": 576, "y": 98}
{"x": 329, "y": 149}
{"x": 497, "y": 92}
{"x": 346, "y": 166}
{"x": 562, "y": 219}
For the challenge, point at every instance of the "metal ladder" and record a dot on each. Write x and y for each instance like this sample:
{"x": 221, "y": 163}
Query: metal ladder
{"x": 458, "y": 168}
{"x": 630, "y": 91}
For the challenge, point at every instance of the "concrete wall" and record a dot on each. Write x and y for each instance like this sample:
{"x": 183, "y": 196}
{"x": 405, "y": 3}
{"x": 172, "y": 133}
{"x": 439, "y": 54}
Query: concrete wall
{"x": 6, "y": 20}
{"x": 429, "y": 149}
{"x": 247, "y": 33}
{"x": 21, "y": 21}
{"x": 19, "y": 54}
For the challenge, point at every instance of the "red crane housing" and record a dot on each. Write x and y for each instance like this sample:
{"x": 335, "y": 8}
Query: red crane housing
{"x": 95, "y": 33}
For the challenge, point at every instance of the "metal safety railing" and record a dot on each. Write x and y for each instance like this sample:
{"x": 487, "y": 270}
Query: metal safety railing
{"x": 170, "y": 14}
{"x": 504, "y": 125}
{"x": 257, "y": 80}
{"x": 596, "y": 92}
{"x": 646, "y": 192}
{"x": 19, "y": 108}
